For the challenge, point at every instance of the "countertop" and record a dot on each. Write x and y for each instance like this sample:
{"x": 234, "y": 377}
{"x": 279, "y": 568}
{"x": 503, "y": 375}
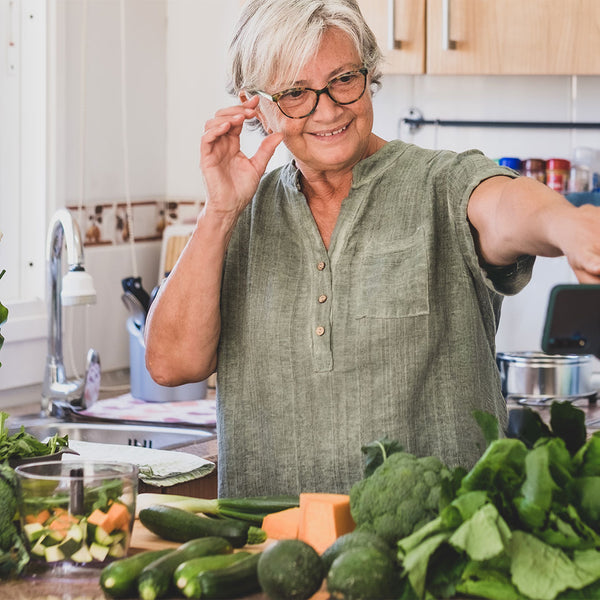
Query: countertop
{"x": 84, "y": 586}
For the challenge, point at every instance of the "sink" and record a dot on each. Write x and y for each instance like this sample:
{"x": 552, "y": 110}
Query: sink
{"x": 158, "y": 437}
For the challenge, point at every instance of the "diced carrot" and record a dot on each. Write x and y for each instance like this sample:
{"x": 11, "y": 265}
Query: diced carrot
{"x": 42, "y": 516}
{"x": 119, "y": 516}
{"x": 324, "y": 518}
{"x": 98, "y": 517}
{"x": 282, "y": 525}
{"x": 63, "y": 522}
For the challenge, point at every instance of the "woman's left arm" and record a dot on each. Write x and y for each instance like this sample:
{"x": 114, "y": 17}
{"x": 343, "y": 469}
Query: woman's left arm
{"x": 514, "y": 217}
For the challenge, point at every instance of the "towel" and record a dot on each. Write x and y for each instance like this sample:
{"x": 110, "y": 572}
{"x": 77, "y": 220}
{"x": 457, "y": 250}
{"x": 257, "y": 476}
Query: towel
{"x": 128, "y": 408}
{"x": 161, "y": 468}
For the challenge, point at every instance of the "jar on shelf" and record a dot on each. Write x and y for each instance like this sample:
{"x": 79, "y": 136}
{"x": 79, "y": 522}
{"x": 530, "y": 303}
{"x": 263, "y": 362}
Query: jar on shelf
{"x": 511, "y": 163}
{"x": 582, "y": 170}
{"x": 535, "y": 168}
{"x": 557, "y": 174}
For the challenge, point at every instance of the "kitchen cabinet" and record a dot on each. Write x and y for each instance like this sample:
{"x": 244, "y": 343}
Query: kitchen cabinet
{"x": 399, "y": 26}
{"x": 487, "y": 37}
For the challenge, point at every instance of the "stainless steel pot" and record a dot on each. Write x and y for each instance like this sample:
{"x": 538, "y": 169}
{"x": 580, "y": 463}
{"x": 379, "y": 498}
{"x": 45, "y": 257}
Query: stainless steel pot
{"x": 536, "y": 377}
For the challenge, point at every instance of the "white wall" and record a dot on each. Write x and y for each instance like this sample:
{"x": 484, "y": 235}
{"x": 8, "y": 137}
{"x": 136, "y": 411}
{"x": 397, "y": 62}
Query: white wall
{"x": 176, "y": 53}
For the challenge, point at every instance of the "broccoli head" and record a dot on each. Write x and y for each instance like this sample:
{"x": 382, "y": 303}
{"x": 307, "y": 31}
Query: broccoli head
{"x": 401, "y": 495}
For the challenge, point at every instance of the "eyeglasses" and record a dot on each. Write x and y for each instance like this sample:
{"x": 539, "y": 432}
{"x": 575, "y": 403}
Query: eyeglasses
{"x": 300, "y": 102}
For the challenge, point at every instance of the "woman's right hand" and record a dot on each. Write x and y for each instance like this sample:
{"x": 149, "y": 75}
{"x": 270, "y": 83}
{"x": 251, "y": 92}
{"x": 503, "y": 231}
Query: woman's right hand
{"x": 231, "y": 178}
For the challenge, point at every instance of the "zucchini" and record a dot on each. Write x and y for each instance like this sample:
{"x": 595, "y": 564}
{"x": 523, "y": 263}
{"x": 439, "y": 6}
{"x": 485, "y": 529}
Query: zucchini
{"x": 156, "y": 578}
{"x": 177, "y": 525}
{"x": 235, "y": 581}
{"x": 186, "y": 574}
{"x": 119, "y": 578}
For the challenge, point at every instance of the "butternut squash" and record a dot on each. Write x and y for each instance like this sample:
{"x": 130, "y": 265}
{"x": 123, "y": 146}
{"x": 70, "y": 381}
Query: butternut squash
{"x": 282, "y": 525}
{"x": 324, "y": 518}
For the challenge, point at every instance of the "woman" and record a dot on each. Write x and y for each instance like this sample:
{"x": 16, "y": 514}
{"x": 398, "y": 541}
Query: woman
{"x": 355, "y": 292}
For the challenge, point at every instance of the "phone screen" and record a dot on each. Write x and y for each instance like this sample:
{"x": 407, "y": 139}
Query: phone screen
{"x": 573, "y": 320}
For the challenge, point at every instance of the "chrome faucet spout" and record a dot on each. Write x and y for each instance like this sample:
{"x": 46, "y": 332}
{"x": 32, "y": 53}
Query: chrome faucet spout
{"x": 78, "y": 289}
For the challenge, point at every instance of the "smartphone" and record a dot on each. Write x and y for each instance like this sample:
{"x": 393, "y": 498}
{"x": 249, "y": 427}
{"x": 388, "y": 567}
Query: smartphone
{"x": 572, "y": 323}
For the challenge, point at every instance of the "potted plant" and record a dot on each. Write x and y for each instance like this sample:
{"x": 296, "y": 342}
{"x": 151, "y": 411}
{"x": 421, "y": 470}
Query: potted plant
{"x": 3, "y": 309}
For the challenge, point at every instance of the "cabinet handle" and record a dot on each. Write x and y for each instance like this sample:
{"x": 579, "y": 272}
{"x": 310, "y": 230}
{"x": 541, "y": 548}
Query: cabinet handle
{"x": 393, "y": 43}
{"x": 447, "y": 43}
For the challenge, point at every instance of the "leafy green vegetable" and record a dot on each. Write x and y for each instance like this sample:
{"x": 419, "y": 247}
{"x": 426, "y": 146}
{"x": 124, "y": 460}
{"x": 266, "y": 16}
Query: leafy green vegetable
{"x": 488, "y": 424}
{"x": 3, "y": 310}
{"x": 568, "y": 423}
{"x": 525, "y": 522}
{"x": 13, "y": 554}
{"x": 377, "y": 452}
{"x": 24, "y": 445}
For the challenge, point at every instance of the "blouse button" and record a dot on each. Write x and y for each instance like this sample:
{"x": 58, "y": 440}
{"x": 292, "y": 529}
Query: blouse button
{"x": 320, "y": 330}
{"x": 320, "y": 265}
{"x": 322, "y": 298}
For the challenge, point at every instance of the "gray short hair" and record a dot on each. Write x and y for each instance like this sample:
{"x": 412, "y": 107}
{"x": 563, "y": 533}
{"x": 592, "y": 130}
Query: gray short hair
{"x": 273, "y": 40}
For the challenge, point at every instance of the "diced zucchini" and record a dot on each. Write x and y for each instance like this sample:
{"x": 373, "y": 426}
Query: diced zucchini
{"x": 75, "y": 533}
{"x": 69, "y": 546}
{"x": 117, "y": 551}
{"x": 82, "y": 555}
{"x": 102, "y": 537}
{"x": 53, "y": 554}
{"x": 39, "y": 549}
{"x": 52, "y": 537}
{"x": 98, "y": 552}
{"x": 34, "y": 531}
{"x": 119, "y": 536}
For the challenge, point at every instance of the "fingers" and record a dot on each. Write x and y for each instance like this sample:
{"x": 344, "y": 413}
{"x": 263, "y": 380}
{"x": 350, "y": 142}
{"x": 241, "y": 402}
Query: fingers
{"x": 235, "y": 115}
{"x": 265, "y": 151}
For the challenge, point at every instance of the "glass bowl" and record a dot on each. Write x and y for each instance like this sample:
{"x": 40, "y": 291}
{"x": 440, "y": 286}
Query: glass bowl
{"x": 78, "y": 513}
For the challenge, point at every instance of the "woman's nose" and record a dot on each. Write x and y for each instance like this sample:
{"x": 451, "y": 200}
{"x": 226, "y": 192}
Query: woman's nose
{"x": 326, "y": 107}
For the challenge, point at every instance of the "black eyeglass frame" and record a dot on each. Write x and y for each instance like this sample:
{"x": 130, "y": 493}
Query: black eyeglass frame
{"x": 324, "y": 90}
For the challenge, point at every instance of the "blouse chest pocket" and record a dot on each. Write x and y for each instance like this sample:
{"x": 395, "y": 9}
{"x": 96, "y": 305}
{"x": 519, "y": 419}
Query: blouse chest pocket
{"x": 393, "y": 279}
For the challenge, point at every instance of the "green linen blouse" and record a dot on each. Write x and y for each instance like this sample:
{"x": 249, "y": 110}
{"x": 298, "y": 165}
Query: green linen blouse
{"x": 389, "y": 332}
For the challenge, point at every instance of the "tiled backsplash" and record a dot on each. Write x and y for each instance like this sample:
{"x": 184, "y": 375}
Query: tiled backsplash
{"x": 106, "y": 224}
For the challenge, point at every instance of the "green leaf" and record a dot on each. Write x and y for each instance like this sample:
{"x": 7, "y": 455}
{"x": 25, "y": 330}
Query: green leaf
{"x": 526, "y": 425}
{"x": 541, "y": 571}
{"x": 377, "y": 452}
{"x": 484, "y": 536}
{"x": 488, "y": 424}
{"x": 587, "y": 459}
{"x": 538, "y": 488}
{"x": 568, "y": 422}
{"x": 483, "y": 580}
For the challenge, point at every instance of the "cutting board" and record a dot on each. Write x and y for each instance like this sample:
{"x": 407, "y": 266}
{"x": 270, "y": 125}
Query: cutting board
{"x": 142, "y": 539}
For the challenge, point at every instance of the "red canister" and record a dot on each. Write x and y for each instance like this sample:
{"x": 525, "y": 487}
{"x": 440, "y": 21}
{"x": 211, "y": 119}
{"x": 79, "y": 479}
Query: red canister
{"x": 557, "y": 174}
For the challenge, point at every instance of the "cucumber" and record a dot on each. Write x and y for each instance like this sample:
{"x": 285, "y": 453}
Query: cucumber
{"x": 119, "y": 579}
{"x": 156, "y": 578}
{"x": 290, "y": 570}
{"x": 235, "y": 581}
{"x": 177, "y": 525}
{"x": 186, "y": 574}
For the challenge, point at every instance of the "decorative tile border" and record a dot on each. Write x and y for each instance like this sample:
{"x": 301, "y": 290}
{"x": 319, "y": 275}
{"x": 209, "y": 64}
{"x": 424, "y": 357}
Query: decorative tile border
{"x": 105, "y": 224}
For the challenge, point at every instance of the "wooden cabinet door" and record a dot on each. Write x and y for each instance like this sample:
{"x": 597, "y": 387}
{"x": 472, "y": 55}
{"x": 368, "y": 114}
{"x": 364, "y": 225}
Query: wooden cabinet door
{"x": 530, "y": 37}
{"x": 399, "y": 26}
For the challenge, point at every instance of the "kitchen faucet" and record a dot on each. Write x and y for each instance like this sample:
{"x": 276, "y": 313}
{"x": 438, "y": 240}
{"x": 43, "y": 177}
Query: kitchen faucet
{"x": 59, "y": 394}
